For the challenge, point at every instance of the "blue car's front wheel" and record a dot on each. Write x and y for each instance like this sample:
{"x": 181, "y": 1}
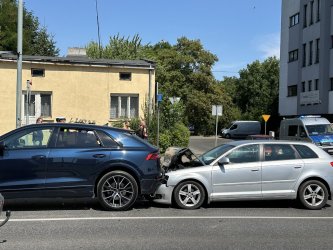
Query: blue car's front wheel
{"x": 117, "y": 190}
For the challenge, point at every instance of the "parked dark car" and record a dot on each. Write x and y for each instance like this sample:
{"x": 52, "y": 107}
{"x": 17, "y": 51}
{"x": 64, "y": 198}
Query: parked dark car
{"x": 78, "y": 160}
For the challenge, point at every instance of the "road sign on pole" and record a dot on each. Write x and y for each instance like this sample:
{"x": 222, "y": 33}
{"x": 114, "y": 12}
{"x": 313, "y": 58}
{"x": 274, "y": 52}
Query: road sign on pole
{"x": 265, "y": 117}
{"x": 217, "y": 111}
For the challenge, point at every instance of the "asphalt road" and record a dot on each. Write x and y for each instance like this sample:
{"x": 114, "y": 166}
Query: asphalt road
{"x": 82, "y": 224}
{"x": 224, "y": 225}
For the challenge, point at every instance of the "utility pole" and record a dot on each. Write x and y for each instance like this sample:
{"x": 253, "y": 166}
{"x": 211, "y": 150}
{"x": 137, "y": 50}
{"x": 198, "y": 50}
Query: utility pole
{"x": 19, "y": 64}
{"x": 99, "y": 37}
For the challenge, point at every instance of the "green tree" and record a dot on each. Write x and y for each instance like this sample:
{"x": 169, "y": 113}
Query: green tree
{"x": 35, "y": 41}
{"x": 257, "y": 89}
{"x": 44, "y": 44}
{"x": 118, "y": 48}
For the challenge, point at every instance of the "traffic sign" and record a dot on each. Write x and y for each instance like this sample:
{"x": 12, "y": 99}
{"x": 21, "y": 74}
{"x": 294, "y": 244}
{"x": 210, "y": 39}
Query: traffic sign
{"x": 266, "y": 117}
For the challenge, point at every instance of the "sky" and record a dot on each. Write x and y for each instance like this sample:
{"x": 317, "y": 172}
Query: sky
{"x": 238, "y": 32}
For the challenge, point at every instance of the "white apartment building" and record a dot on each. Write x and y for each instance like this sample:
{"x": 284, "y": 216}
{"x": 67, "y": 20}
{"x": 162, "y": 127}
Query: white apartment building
{"x": 306, "y": 60}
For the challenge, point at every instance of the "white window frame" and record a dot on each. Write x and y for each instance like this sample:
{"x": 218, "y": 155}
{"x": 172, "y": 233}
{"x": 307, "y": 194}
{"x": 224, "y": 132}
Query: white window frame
{"x": 38, "y": 107}
{"x": 128, "y": 105}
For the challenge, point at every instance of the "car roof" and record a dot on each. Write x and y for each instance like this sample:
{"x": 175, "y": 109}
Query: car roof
{"x": 244, "y": 142}
{"x": 69, "y": 125}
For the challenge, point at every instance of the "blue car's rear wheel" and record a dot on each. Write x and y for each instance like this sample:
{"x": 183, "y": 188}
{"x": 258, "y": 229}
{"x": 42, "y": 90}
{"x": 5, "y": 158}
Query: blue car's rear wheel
{"x": 189, "y": 195}
{"x": 117, "y": 190}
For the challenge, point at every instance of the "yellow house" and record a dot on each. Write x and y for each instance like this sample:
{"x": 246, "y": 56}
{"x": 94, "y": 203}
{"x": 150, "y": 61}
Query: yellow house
{"x": 75, "y": 87}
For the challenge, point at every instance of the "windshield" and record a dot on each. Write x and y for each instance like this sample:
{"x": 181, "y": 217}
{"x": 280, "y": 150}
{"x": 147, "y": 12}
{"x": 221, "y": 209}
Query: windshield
{"x": 214, "y": 153}
{"x": 320, "y": 129}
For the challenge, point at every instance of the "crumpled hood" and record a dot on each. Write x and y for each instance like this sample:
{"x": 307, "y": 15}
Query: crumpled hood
{"x": 322, "y": 138}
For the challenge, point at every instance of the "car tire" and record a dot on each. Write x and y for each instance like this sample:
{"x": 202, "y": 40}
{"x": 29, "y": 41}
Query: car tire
{"x": 227, "y": 136}
{"x": 117, "y": 190}
{"x": 189, "y": 195}
{"x": 313, "y": 194}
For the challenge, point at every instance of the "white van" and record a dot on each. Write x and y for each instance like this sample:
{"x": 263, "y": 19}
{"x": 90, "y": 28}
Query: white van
{"x": 241, "y": 129}
{"x": 315, "y": 129}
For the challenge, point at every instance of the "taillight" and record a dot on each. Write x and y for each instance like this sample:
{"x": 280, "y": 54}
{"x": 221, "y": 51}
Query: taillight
{"x": 331, "y": 163}
{"x": 152, "y": 156}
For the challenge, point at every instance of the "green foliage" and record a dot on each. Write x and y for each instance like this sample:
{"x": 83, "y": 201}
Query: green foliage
{"x": 178, "y": 135}
{"x": 43, "y": 44}
{"x": 258, "y": 89}
{"x": 36, "y": 41}
{"x": 118, "y": 48}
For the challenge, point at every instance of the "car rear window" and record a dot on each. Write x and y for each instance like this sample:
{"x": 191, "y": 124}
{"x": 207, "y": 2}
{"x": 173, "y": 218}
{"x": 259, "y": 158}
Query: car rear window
{"x": 126, "y": 139}
{"x": 305, "y": 152}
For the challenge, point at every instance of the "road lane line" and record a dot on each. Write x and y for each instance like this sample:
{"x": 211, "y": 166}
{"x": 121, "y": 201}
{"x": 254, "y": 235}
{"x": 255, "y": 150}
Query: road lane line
{"x": 169, "y": 218}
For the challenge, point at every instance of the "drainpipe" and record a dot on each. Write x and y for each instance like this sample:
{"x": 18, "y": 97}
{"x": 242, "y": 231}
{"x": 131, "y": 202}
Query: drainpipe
{"x": 150, "y": 94}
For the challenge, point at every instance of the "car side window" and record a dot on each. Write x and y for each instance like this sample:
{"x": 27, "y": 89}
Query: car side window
{"x": 305, "y": 152}
{"x": 292, "y": 130}
{"x": 77, "y": 138}
{"x": 34, "y": 138}
{"x": 233, "y": 127}
{"x": 107, "y": 141}
{"x": 277, "y": 152}
{"x": 248, "y": 153}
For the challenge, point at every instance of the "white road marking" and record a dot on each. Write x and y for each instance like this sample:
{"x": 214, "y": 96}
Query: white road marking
{"x": 170, "y": 218}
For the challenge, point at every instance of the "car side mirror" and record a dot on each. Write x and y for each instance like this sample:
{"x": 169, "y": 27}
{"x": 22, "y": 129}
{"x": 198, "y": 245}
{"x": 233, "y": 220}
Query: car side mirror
{"x": 223, "y": 161}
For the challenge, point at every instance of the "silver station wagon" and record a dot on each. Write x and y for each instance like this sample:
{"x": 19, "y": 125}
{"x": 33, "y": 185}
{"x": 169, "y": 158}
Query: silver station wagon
{"x": 249, "y": 170}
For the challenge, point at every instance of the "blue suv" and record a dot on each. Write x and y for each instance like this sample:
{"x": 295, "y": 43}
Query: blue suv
{"x": 78, "y": 160}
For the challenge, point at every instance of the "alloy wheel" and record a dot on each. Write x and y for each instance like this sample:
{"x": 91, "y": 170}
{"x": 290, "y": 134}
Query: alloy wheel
{"x": 314, "y": 195}
{"x": 117, "y": 190}
{"x": 189, "y": 195}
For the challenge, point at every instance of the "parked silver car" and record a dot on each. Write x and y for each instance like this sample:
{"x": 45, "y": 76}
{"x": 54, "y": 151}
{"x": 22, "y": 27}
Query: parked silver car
{"x": 249, "y": 170}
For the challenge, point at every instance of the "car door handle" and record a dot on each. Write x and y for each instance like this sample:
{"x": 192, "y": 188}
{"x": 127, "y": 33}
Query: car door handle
{"x": 38, "y": 157}
{"x": 99, "y": 155}
{"x": 255, "y": 170}
{"x": 298, "y": 167}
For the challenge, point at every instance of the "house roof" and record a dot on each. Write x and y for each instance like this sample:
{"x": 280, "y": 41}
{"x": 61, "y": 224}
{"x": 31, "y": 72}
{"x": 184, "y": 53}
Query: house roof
{"x": 142, "y": 63}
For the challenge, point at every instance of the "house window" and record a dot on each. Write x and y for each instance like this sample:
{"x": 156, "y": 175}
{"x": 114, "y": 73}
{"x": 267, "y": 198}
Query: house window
{"x": 292, "y": 90}
{"x": 39, "y": 105}
{"x": 293, "y": 55}
{"x": 310, "y": 85}
{"x": 125, "y": 76}
{"x": 311, "y": 12}
{"x": 38, "y": 72}
{"x": 303, "y": 86}
{"x": 310, "y": 52}
{"x": 318, "y": 10}
{"x": 30, "y": 107}
{"x": 124, "y": 106}
{"x": 294, "y": 20}
{"x": 317, "y": 50}
{"x": 304, "y": 55}
{"x": 45, "y": 102}
{"x": 305, "y": 16}
{"x": 316, "y": 84}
